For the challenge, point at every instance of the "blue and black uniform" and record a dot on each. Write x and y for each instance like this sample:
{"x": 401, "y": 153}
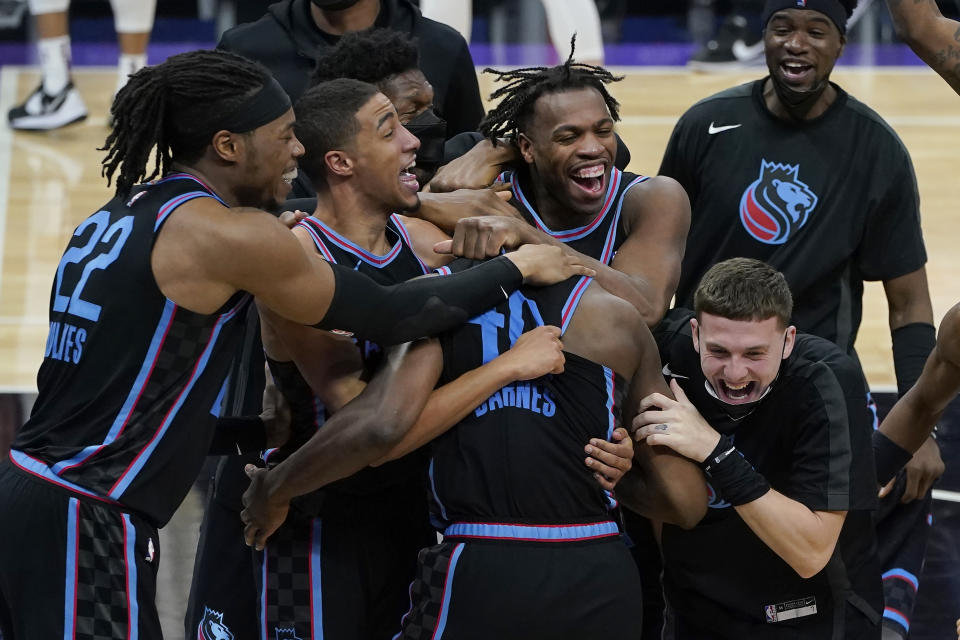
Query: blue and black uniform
{"x": 122, "y": 423}
{"x": 530, "y": 548}
{"x": 599, "y": 239}
{"x": 341, "y": 564}
{"x": 809, "y": 436}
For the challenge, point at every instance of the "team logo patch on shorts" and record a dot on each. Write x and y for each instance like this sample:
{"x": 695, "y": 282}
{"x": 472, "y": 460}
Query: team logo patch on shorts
{"x": 212, "y": 627}
{"x": 286, "y": 633}
{"x": 776, "y": 204}
{"x": 798, "y": 608}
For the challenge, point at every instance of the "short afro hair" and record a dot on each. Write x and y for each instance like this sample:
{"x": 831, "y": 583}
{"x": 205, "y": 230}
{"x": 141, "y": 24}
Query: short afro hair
{"x": 368, "y": 56}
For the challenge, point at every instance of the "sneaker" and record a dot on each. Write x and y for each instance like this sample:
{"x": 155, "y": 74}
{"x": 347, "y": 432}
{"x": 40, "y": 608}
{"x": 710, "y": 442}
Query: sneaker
{"x": 735, "y": 46}
{"x": 41, "y": 112}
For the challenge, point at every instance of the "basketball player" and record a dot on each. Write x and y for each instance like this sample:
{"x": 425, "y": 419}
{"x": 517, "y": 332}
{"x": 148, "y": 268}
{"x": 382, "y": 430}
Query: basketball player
{"x": 56, "y": 102}
{"x": 932, "y": 36}
{"x": 529, "y": 547}
{"x": 629, "y": 228}
{"x": 514, "y": 461}
{"x": 118, "y": 434}
{"x": 776, "y": 420}
{"x": 761, "y": 163}
{"x": 364, "y": 531}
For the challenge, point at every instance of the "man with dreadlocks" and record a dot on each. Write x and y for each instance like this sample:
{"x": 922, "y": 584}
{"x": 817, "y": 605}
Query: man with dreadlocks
{"x": 629, "y": 228}
{"x": 141, "y": 335}
{"x": 792, "y": 170}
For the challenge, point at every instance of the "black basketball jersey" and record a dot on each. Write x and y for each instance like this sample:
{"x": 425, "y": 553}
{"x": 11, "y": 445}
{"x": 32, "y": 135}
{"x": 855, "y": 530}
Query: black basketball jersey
{"x": 130, "y": 382}
{"x": 603, "y": 236}
{"x": 518, "y": 457}
{"x": 308, "y": 414}
{"x": 830, "y": 202}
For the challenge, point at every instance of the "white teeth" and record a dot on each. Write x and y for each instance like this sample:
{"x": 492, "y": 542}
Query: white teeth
{"x": 290, "y": 176}
{"x": 590, "y": 172}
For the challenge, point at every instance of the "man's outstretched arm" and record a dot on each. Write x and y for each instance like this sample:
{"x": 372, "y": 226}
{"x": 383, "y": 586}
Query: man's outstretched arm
{"x": 934, "y": 38}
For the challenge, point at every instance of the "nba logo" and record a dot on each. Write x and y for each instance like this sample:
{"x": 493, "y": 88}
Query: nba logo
{"x": 801, "y": 3}
{"x": 771, "y": 611}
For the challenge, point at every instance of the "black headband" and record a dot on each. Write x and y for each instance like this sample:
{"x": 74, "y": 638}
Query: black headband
{"x": 830, "y": 8}
{"x": 266, "y": 105}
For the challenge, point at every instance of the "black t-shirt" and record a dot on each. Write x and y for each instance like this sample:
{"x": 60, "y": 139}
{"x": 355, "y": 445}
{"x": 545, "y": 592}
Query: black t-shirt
{"x": 830, "y": 202}
{"x": 810, "y": 438}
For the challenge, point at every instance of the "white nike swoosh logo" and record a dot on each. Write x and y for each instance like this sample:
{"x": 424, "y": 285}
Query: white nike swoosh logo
{"x": 746, "y": 52}
{"x": 712, "y": 129}
{"x": 667, "y": 372}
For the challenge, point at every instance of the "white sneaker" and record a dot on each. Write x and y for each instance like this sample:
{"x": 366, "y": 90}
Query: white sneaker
{"x": 41, "y": 112}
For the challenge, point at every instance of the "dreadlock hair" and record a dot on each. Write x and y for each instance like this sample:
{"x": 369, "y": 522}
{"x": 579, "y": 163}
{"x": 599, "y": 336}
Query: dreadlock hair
{"x": 525, "y": 86}
{"x": 176, "y": 107}
{"x": 327, "y": 120}
{"x": 368, "y": 56}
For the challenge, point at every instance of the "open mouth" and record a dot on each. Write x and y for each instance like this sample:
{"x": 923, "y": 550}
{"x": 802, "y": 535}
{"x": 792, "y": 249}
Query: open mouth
{"x": 796, "y": 72}
{"x": 590, "y": 179}
{"x": 290, "y": 176}
{"x": 736, "y": 393}
{"x": 409, "y": 180}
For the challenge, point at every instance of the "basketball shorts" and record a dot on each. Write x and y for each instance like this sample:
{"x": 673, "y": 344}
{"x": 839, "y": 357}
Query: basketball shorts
{"x": 71, "y": 566}
{"x": 330, "y": 577}
{"x": 514, "y": 582}
{"x": 902, "y": 534}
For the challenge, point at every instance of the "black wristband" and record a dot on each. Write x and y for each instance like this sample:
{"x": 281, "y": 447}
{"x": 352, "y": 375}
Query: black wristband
{"x": 238, "y": 434}
{"x": 912, "y": 345}
{"x": 732, "y": 477}
{"x": 416, "y": 308}
{"x": 889, "y": 456}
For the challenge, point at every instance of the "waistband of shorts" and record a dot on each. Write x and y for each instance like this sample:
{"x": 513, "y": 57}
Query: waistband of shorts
{"x": 37, "y": 469}
{"x": 532, "y": 532}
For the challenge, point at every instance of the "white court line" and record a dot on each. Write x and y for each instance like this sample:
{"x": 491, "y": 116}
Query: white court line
{"x": 8, "y": 93}
{"x": 948, "y": 496}
{"x": 896, "y": 121}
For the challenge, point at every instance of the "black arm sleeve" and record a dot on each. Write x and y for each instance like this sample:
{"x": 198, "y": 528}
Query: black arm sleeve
{"x": 419, "y": 307}
{"x": 239, "y": 434}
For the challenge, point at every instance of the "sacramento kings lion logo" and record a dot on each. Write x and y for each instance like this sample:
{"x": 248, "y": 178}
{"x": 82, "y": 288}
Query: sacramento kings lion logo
{"x": 777, "y": 204}
{"x": 212, "y": 627}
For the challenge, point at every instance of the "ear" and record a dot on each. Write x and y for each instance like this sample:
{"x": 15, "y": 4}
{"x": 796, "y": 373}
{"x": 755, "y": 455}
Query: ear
{"x": 525, "y": 145}
{"x": 339, "y": 163}
{"x": 695, "y": 334}
{"x": 843, "y": 44}
{"x": 789, "y": 340}
{"x": 229, "y": 146}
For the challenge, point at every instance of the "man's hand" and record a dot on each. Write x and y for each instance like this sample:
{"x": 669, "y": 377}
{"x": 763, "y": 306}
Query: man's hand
{"x": 291, "y": 218}
{"x": 445, "y": 209}
{"x": 535, "y": 353}
{"x": 610, "y": 460}
{"x": 483, "y": 237}
{"x": 475, "y": 169}
{"x": 261, "y": 514}
{"x": 543, "y": 264}
{"x": 922, "y": 471}
{"x": 276, "y": 413}
{"x": 676, "y": 424}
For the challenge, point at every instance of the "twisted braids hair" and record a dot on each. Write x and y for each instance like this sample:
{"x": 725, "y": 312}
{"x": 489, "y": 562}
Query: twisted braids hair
{"x": 368, "y": 56}
{"x": 176, "y": 107}
{"x": 525, "y": 86}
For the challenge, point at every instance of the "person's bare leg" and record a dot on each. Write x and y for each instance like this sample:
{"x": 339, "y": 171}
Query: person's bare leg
{"x": 133, "y": 20}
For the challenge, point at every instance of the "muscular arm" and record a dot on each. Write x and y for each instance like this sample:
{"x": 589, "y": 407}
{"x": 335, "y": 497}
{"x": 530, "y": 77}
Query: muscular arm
{"x": 662, "y": 485}
{"x": 908, "y": 299}
{"x": 934, "y": 38}
{"x": 206, "y": 252}
{"x": 646, "y": 268}
{"x": 535, "y": 353}
{"x": 804, "y": 539}
{"x": 912, "y": 418}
